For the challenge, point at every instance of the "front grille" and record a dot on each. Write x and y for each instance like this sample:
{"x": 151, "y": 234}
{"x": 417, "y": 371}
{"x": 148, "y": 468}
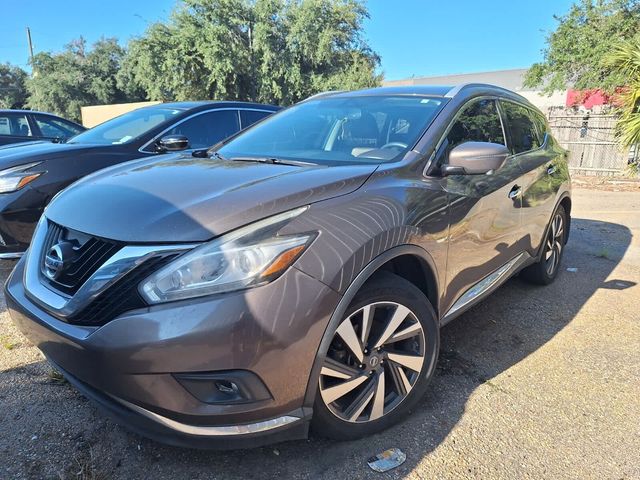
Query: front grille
{"x": 90, "y": 254}
{"x": 122, "y": 296}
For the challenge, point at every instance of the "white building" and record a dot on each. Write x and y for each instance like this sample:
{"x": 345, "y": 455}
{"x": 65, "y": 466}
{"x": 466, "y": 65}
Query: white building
{"x": 510, "y": 79}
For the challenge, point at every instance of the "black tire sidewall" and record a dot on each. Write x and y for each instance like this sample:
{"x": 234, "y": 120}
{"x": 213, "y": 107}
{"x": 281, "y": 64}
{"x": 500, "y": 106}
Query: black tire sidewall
{"x": 537, "y": 273}
{"x": 385, "y": 287}
{"x": 552, "y": 277}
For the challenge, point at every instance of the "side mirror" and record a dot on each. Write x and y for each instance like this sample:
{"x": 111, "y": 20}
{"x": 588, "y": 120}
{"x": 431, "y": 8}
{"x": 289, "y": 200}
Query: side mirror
{"x": 173, "y": 143}
{"x": 475, "y": 158}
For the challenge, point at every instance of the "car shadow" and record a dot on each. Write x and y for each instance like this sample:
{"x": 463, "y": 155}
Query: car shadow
{"x": 479, "y": 346}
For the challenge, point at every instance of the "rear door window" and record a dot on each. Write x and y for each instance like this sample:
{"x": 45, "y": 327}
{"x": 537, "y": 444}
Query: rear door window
{"x": 51, "y": 127}
{"x": 15, "y": 124}
{"x": 206, "y": 129}
{"x": 249, "y": 117}
{"x": 523, "y": 135}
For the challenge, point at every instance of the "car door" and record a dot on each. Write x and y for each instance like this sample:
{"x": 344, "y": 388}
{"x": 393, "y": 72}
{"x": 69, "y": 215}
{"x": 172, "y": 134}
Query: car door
{"x": 484, "y": 210}
{"x": 15, "y": 128}
{"x": 527, "y": 132}
{"x": 205, "y": 129}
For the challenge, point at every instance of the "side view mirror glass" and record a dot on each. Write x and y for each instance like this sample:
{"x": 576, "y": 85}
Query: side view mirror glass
{"x": 173, "y": 143}
{"x": 475, "y": 158}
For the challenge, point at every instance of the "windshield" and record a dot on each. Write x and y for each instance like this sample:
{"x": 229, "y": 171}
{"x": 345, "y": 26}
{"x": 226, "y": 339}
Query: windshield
{"x": 126, "y": 127}
{"x": 370, "y": 129}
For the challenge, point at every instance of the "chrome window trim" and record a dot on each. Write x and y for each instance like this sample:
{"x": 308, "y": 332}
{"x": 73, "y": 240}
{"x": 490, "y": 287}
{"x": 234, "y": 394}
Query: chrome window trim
{"x": 121, "y": 263}
{"x": 237, "y": 109}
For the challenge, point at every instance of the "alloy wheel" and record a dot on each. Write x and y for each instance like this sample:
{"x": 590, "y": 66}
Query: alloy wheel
{"x": 554, "y": 245}
{"x": 373, "y": 362}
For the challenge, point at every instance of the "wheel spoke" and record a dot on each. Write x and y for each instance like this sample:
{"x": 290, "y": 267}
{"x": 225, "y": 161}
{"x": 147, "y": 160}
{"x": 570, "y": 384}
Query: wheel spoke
{"x": 410, "y": 331}
{"x": 348, "y": 335}
{"x": 551, "y": 262}
{"x": 378, "y": 401}
{"x": 335, "y": 369}
{"x": 405, "y": 380}
{"x": 558, "y": 247}
{"x": 367, "y": 318}
{"x": 413, "y": 362}
{"x": 331, "y": 394}
{"x": 400, "y": 380}
{"x": 353, "y": 411}
{"x": 397, "y": 318}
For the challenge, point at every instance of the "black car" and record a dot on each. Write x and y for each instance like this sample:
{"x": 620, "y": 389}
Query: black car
{"x": 30, "y": 175}
{"x": 18, "y": 126}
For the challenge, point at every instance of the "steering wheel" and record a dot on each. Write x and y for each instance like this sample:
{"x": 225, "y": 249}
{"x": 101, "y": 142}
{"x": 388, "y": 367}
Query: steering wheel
{"x": 394, "y": 144}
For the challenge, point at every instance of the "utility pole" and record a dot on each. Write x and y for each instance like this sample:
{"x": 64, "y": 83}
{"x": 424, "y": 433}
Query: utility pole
{"x": 33, "y": 71}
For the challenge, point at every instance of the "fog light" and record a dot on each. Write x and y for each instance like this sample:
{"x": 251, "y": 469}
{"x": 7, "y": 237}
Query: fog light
{"x": 224, "y": 387}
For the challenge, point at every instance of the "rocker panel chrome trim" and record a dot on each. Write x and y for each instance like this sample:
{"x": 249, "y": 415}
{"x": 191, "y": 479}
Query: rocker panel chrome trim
{"x": 485, "y": 286}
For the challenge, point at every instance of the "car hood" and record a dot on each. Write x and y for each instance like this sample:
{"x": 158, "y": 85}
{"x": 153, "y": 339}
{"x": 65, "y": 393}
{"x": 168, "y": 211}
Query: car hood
{"x": 18, "y": 154}
{"x": 175, "y": 198}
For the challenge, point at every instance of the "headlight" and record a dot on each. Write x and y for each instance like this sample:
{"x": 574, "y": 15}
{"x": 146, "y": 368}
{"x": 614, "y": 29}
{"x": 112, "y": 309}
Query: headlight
{"x": 247, "y": 257}
{"x": 14, "y": 178}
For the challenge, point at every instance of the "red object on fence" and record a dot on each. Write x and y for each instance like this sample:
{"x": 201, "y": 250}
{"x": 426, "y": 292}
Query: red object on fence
{"x": 591, "y": 98}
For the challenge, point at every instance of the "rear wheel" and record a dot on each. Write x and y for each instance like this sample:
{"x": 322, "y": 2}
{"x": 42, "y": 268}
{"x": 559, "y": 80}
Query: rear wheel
{"x": 546, "y": 269}
{"x": 380, "y": 360}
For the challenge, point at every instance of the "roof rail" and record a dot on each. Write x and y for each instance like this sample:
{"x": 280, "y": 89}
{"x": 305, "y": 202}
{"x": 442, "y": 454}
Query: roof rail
{"x": 322, "y": 94}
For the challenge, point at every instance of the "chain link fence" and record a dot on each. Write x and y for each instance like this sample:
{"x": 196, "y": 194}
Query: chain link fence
{"x": 590, "y": 139}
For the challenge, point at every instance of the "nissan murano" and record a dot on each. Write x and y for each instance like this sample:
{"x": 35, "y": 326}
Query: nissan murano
{"x": 297, "y": 274}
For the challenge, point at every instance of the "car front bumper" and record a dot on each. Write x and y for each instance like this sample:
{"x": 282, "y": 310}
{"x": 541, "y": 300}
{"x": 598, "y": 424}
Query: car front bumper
{"x": 132, "y": 366}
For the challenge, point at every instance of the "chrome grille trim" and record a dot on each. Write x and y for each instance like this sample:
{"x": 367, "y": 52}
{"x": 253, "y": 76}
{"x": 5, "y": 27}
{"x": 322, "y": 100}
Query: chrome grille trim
{"x": 118, "y": 265}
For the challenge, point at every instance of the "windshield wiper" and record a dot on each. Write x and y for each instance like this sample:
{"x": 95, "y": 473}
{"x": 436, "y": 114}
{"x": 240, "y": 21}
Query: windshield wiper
{"x": 274, "y": 161}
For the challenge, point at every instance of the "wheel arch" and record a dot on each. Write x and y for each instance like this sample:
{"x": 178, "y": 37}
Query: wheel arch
{"x": 421, "y": 269}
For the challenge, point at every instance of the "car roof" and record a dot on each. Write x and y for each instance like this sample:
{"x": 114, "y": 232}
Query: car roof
{"x": 17, "y": 110}
{"x": 445, "y": 91}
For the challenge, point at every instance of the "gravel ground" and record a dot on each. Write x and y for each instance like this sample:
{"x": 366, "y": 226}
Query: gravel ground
{"x": 532, "y": 383}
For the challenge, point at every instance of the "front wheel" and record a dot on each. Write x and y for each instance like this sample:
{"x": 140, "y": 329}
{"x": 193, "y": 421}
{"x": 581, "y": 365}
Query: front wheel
{"x": 546, "y": 269}
{"x": 380, "y": 360}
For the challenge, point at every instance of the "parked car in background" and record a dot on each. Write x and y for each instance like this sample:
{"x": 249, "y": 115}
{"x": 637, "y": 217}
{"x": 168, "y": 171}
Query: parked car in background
{"x": 18, "y": 126}
{"x": 301, "y": 274}
{"x": 30, "y": 175}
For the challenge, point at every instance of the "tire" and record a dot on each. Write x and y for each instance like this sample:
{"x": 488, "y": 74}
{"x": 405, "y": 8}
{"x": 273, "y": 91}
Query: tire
{"x": 398, "y": 311}
{"x": 545, "y": 270}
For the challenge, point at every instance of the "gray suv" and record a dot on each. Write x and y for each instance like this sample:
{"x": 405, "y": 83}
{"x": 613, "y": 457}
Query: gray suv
{"x": 299, "y": 273}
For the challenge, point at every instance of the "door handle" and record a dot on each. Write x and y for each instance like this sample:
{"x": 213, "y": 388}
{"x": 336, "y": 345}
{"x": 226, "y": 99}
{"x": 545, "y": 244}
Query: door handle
{"x": 515, "y": 192}
{"x": 551, "y": 169}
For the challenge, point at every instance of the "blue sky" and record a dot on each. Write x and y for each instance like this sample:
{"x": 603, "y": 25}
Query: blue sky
{"x": 413, "y": 37}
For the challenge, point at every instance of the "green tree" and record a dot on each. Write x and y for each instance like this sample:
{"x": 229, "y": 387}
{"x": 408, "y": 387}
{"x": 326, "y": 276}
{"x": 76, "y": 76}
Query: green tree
{"x": 64, "y": 82}
{"x": 276, "y": 51}
{"x": 13, "y": 91}
{"x": 576, "y": 49}
{"x": 624, "y": 60}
